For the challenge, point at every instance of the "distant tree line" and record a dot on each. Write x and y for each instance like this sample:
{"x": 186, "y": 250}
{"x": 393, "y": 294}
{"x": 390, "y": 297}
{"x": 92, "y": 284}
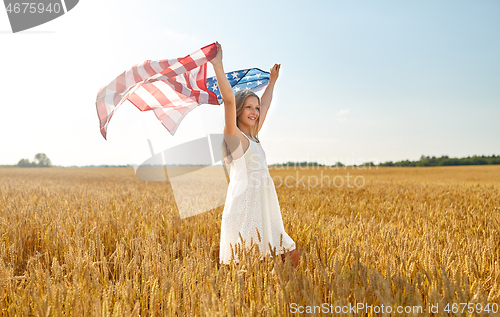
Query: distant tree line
{"x": 98, "y": 166}
{"x": 424, "y": 161}
{"x": 41, "y": 160}
{"x": 301, "y": 164}
{"x": 446, "y": 161}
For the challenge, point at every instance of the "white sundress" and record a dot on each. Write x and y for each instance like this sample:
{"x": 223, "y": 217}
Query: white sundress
{"x": 252, "y": 202}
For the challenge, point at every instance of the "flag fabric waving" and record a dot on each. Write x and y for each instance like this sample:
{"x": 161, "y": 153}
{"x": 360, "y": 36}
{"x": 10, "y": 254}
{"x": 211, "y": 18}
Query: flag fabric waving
{"x": 172, "y": 88}
{"x": 253, "y": 79}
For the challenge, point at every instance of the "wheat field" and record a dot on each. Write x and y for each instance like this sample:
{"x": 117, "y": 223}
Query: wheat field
{"x": 101, "y": 242}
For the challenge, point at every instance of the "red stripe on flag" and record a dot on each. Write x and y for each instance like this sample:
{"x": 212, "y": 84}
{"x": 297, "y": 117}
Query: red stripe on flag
{"x": 116, "y": 98}
{"x": 210, "y": 51}
{"x": 158, "y": 95}
{"x": 120, "y": 82}
{"x": 138, "y": 102}
{"x": 188, "y": 82}
{"x": 137, "y": 77}
{"x": 188, "y": 63}
{"x": 176, "y": 85}
{"x": 149, "y": 69}
{"x": 102, "y": 113}
{"x": 164, "y": 64}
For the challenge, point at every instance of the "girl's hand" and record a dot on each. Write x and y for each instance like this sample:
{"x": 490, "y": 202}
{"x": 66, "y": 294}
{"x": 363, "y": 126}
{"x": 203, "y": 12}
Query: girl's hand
{"x": 218, "y": 58}
{"x": 275, "y": 72}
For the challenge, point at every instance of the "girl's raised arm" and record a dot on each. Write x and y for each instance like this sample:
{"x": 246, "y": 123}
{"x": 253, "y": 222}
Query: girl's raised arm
{"x": 226, "y": 93}
{"x": 267, "y": 97}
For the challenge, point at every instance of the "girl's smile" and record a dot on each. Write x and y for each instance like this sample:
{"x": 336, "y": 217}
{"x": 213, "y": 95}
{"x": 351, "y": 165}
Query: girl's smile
{"x": 251, "y": 110}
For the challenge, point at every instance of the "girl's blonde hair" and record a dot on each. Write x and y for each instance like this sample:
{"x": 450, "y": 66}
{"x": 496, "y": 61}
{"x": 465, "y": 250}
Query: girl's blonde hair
{"x": 240, "y": 99}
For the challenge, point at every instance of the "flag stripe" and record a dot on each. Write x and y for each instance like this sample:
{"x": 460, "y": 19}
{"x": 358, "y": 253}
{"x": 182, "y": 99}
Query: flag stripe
{"x": 165, "y": 86}
{"x": 171, "y": 88}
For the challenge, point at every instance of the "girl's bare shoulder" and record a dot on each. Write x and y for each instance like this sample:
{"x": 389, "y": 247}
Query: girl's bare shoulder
{"x": 229, "y": 137}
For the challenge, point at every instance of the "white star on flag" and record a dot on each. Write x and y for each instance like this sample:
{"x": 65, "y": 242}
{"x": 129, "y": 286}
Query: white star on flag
{"x": 244, "y": 79}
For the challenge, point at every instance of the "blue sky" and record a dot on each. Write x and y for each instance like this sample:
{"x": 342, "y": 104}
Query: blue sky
{"x": 360, "y": 80}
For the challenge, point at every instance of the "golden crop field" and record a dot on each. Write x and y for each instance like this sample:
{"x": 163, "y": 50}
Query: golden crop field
{"x": 101, "y": 242}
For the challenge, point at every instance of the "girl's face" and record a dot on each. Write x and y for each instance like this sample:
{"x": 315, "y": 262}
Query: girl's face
{"x": 251, "y": 111}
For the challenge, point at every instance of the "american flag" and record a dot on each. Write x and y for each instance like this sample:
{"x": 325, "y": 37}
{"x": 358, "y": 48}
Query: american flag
{"x": 172, "y": 88}
{"x": 252, "y": 78}
{"x": 169, "y": 87}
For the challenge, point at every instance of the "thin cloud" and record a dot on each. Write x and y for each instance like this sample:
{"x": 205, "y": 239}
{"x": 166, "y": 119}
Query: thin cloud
{"x": 341, "y": 115}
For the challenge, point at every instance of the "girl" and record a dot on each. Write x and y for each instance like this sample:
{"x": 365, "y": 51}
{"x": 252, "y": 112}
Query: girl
{"x": 251, "y": 211}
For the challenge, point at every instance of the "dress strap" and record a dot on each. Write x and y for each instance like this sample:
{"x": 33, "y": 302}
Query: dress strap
{"x": 248, "y": 137}
{"x": 244, "y": 134}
